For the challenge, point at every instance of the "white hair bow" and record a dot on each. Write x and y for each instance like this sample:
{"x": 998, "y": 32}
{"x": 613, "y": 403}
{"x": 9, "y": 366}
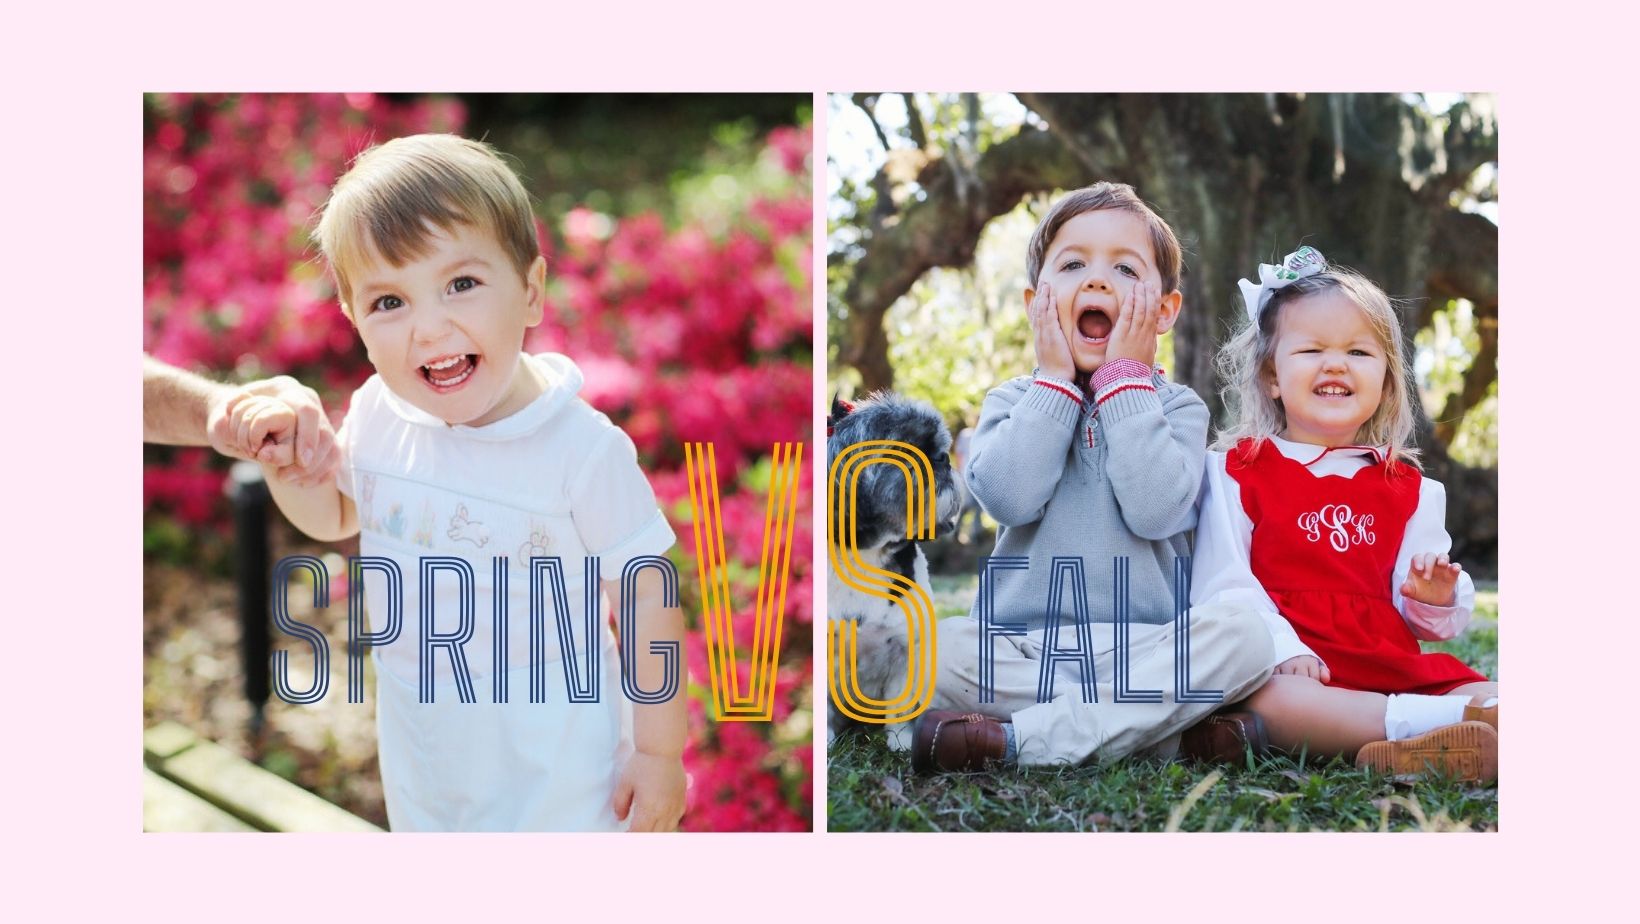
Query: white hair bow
{"x": 1305, "y": 261}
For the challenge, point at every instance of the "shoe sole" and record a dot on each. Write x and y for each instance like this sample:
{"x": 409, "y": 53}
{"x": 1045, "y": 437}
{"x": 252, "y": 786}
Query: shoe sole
{"x": 1466, "y": 751}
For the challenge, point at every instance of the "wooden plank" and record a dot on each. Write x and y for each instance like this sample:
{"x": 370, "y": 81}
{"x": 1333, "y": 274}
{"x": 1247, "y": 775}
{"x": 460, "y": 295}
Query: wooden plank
{"x": 259, "y": 797}
{"x": 168, "y": 807}
{"x": 238, "y": 787}
{"x": 166, "y": 740}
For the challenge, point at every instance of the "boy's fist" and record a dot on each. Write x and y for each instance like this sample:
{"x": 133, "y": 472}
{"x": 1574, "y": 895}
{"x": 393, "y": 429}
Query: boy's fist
{"x": 1433, "y": 579}
{"x": 650, "y": 790}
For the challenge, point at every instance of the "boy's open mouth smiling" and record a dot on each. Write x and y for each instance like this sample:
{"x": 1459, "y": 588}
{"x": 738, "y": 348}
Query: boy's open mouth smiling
{"x": 449, "y": 372}
{"x": 1094, "y": 325}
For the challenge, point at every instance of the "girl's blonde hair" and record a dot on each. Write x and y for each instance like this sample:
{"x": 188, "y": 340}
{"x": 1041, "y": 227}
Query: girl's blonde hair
{"x": 1246, "y": 364}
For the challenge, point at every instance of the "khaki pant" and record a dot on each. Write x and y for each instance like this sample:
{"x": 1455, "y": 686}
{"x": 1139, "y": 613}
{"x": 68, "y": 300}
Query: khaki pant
{"x": 1230, "y": 650}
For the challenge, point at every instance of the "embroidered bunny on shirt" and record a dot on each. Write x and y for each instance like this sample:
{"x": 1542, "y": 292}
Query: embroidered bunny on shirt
{"x": 537, "y": 545}
{"x": 464, "y": 529}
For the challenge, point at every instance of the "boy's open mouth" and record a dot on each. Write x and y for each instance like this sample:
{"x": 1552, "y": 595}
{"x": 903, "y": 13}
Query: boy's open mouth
{"x": 450, "y": 371}
{"x": 1094, "y": 325}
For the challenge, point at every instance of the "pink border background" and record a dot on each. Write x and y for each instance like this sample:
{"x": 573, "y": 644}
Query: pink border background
{"x": 72, "y": 682}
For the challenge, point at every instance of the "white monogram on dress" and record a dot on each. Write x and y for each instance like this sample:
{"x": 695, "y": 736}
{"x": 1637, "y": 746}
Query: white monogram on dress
{"x": 1343, "y": 526}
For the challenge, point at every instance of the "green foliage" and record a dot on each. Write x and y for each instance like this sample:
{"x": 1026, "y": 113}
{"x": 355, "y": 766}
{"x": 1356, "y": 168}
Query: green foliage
{"x": 735, "y": 171}
{"x": 1444, "y": 351}
{"x": 624, "y": 154}
{"x": 872, "y": 789}
{"x": 960, "y": 332}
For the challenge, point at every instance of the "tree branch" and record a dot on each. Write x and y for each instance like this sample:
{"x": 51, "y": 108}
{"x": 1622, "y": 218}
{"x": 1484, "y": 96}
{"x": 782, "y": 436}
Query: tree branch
{"x": 914, "y": 123}
{"x": 941, "y": 230}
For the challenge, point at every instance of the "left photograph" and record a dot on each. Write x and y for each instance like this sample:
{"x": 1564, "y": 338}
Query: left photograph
{"x": 476, "y": 486}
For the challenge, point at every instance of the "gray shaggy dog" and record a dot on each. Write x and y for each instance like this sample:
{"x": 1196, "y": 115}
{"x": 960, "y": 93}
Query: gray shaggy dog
{"x": 880, "y": 534}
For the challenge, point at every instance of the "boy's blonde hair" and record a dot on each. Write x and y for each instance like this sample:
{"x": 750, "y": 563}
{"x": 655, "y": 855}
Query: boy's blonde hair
{"x": 1119, "y": 196}
{"x": 1246, "y": 365}
{"x": 395, "y": 192}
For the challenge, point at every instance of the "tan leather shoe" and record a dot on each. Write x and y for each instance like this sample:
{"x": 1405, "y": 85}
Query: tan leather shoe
{"x": 943, "y": 742}
{"x": 1224, "y": 737}
{"x": 1466, "y": 751}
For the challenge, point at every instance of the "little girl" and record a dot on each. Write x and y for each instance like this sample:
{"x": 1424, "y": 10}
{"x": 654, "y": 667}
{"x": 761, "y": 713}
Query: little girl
{"x": 1314, "y": 512}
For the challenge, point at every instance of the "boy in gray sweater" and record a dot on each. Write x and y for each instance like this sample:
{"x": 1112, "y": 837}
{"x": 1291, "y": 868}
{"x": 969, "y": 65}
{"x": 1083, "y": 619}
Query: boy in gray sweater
{"x": 1092, "y": 466}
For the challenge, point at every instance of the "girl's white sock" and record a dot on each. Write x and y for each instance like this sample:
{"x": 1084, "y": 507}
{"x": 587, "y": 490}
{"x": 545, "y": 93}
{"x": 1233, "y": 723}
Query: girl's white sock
{"x": 1410, "y": 714}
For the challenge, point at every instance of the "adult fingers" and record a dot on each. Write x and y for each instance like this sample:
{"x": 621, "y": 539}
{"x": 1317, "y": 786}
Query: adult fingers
{"x": 224, "y": 437}
{"x": 267, "y": 387}
{"x": 269, "y": 435}
{"x": 242, "y": 433}
{"x": 1326, "y": 674}
{"x": 271, "y": 421}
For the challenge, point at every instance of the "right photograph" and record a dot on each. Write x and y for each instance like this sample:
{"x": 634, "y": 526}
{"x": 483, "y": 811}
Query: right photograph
{"x": 1162, "y": 462}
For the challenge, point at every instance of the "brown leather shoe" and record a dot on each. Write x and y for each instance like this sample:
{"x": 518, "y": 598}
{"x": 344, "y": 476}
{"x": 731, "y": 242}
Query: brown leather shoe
{"x": 944, "y": 741}
{"x": 1224, "y": 737}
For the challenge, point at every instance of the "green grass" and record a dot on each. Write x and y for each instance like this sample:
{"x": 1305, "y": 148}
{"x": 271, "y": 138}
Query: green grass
{"x": 872, "y": 789}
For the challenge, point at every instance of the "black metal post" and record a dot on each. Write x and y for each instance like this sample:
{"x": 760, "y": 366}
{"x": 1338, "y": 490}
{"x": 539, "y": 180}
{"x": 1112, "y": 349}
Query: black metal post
{"x": 250, "y": 497}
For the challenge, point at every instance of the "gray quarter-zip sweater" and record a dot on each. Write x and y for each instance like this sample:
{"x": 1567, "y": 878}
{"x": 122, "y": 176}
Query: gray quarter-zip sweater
{"x": 1067, "y": 477}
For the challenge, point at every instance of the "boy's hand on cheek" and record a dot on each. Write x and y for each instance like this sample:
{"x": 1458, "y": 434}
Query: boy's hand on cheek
{"x": 1053, "y": 352}
{"x": 651, "y": 791}
{"x": 1134, "y": 335}
{"x": 1432, "y": 579}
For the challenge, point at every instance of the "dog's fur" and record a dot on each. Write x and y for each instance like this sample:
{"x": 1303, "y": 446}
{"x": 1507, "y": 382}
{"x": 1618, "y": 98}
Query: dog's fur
{"x": 880, "y": 533}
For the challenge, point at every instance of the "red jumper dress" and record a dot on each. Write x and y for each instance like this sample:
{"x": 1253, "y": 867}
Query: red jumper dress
{"x": 1324, "y": 548}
